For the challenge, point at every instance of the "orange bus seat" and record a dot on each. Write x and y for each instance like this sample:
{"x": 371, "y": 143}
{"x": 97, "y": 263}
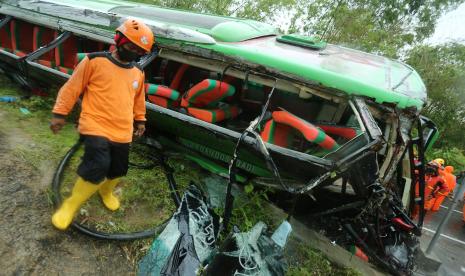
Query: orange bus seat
{"x": 41, "y": 37}
{"x": 5, "y": 38}
{"x": 21, "y": 37}
{"x": 203, "y": 101}
{"x": 279, "y": 130}
{"x": 341, "y": 131}
{"x": 65, "y": 54}
{"x": 162, "y": 95}
{"x": 178, "y": 77}
{"x": 216, "y": 114}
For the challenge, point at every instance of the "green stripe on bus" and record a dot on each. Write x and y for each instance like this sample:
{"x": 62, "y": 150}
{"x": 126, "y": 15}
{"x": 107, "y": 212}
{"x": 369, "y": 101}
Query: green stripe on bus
{"x": 320, "y": 137}
{"x": 272, "y": 132}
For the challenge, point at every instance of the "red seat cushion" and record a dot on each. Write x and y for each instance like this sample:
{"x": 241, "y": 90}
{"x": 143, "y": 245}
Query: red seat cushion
{"x": 5, "y": 38}
{"x": 341, "y": 131}
{"x": 277, "y": 134}
{"x": 214, "y": 115}
{"x": 65, "y": 54}
{"x": 207, "y": 93}
{"x": 161, "y": 91}
{"x": 41, "y": 37}
{"x": 21, "y": 37}
{"x": 176, "y": 82}
{"x": 163, "y": 102}
{"x": 162, "y": 95}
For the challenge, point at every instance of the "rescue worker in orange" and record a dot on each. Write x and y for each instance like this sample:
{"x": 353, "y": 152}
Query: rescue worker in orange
{"x": 113, "y": 102}
{"x": 451, "y": 181}
{"x": 435, "y": 185}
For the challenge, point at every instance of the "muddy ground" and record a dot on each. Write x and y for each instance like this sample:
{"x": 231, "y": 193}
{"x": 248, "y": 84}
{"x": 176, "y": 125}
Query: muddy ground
{"x": 29, "y": 244}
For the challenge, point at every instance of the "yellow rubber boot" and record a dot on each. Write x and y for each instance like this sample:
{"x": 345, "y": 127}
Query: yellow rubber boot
{"x": 82, "y": 191}
{"x": 106, "y": 193}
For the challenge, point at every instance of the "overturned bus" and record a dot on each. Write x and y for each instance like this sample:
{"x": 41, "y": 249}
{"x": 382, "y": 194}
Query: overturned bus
{"x": 341, "y": 128}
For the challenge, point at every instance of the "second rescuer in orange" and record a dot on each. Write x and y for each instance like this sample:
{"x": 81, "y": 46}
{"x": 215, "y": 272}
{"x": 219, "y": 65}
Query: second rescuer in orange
{"x": 113, "y": 100}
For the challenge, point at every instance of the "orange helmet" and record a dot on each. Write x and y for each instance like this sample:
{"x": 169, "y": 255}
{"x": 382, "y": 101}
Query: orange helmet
{"x": 138, "y": 33}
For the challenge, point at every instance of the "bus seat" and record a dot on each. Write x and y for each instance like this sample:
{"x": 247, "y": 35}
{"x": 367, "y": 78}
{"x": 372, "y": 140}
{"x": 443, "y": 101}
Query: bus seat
{"x": 280, "y": 128}
{"x": 203, "y": 101}
{"x": 43, "y": 36}
{"x": 65, "y": 54}
{"x": 341, "y": 131}
{"x": 102, "y": 46}
{"x": 162, "y": 95}
{"x": 5, "y": 38}
{"x": 21, "y": 37}
{"x": 79, "y": 58}
{"x": 216, "y": 114}
{"x": 176, "y": 82}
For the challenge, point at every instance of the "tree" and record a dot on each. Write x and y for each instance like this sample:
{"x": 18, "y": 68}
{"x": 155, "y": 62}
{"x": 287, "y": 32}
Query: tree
{"x": 261, "y": 10}
{"x": 381, "y": 26}
{"x": 442, "y": 68}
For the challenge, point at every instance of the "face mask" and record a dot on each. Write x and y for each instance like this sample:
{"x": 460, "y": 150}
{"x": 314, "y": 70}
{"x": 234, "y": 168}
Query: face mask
{"x": 126, "y": 55}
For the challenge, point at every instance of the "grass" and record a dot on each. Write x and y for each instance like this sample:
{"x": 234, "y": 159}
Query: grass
{"x": 310, "y": 262}
{"x": 250, "y": 210}
{"x": 46, "y": 146}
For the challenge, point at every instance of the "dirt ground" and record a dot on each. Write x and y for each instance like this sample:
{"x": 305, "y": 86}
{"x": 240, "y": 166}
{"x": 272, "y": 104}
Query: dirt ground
{"x": 29, "y": 245}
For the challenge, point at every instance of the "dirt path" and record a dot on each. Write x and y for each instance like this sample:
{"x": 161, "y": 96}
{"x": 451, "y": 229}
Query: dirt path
{"x": 29, "y": 245}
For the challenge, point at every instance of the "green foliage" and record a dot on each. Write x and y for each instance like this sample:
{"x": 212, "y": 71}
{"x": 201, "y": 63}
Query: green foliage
{"x": 371, "y": 25}
{"x": 453, "y": 157}
{"x": 263, "y": 10}
{"x": 250, "y": 210}
{"x": 442, "y": 68}
{"x": 310, "y": 262}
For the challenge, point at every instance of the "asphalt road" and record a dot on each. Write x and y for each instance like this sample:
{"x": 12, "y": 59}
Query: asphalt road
{"x": 450, "y": 247}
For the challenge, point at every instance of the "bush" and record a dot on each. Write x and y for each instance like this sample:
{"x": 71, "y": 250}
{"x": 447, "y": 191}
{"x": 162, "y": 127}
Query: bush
{"x": 453, "y": 156}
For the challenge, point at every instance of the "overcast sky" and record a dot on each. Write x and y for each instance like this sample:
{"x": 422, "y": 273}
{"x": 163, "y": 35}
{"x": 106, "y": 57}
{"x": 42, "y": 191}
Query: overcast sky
{"x": 451, "y": 27}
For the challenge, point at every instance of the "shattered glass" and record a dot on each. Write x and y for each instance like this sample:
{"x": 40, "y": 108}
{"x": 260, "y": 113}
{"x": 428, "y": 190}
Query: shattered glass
{"x": 187, "y": 241}
{"x": 248, "y": 253}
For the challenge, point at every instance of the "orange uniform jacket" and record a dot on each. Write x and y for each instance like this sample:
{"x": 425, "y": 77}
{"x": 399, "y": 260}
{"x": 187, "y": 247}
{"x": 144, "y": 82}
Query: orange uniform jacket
{"x": 435, "y": 185}
{"x": 113, "y": 97}
{"x": 451, "y": 180}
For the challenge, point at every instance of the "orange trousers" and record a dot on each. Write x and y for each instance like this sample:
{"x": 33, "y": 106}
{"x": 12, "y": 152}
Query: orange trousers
{"x": 429, "y": 203}
{"x": 437, "y": 202}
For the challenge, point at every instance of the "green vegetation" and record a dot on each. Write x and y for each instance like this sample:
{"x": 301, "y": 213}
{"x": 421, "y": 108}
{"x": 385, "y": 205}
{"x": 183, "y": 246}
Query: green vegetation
{"x": 378, "y": 26}
{"x": 442, "y": 68}
{"x": 249, "y": 211}
{"x": 453, "y": 156}
{"x": 262, "y": 10}
{"x": 47, "y": 148}
{"x": 309, "y": 262}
